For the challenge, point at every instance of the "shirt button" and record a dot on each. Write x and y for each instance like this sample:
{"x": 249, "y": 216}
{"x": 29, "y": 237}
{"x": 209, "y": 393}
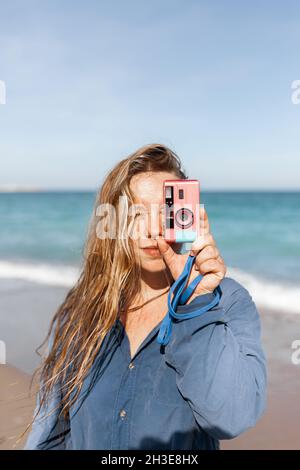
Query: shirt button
{"x": 131, "y": 365}
{"x": 122, "y": 413}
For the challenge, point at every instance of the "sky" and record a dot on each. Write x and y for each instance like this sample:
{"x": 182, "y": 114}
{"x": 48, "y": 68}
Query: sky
{"x": 89, "y": 82}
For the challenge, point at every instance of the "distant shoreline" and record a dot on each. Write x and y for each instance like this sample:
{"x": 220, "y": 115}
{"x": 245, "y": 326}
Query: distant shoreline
{"x": 44, "y": 190}
{"x": 20, "y": 190}
{"x": 13, "y": 190}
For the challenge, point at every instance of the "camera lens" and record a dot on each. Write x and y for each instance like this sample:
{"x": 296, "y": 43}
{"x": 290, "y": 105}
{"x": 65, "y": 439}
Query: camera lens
{"x": 184, "y": 218}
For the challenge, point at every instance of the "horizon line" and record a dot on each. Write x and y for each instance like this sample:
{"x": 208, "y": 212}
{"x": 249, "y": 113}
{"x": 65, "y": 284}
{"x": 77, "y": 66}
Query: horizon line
{"x": 31, "y": 189}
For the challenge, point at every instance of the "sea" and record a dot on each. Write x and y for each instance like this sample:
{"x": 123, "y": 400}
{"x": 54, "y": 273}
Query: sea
{"x": 42, "y": 235}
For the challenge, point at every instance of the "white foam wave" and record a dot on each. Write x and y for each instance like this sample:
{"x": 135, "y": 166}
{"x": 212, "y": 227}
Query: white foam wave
{"x": 279, "y": 296}
{"x": 54, "y": 275}
{"x": 274, "y": 295}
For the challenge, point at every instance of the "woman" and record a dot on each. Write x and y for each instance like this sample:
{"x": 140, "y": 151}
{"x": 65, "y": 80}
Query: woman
{"x": 106, "y": 383}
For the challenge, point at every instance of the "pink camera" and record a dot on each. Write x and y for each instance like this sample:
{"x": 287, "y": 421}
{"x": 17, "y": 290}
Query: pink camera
{"x": 181, "y": 210}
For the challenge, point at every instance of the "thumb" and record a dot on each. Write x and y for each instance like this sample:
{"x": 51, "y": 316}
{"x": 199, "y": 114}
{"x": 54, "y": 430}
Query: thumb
{"x": 166, "y": 251}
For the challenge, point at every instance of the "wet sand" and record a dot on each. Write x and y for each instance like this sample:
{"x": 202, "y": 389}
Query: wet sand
{"x": 279, "y": 426}
{"x": 16, "y": 406}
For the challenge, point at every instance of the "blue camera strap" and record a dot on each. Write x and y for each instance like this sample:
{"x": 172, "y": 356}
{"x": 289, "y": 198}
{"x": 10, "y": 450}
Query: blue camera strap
{"x": 180, "y": 298}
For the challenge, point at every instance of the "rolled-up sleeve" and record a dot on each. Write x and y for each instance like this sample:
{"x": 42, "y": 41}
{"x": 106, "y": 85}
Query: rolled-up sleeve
{"x": 50, "y": 430}
{"x": 220, "y": 363}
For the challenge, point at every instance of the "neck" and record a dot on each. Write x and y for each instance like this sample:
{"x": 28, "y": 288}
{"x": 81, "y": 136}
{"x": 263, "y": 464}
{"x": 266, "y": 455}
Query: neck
{"x": 153, "y": 286}
{"x": 155, "y": 282}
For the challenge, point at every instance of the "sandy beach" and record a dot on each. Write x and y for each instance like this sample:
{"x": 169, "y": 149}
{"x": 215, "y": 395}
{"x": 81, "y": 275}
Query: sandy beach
{"x": 35, "y": 305}
{"x": 279, "y": 427}
{"x": 16, "y": 406}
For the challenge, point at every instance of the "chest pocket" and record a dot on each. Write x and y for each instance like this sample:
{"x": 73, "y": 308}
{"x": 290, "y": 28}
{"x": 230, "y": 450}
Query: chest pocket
{"x": 165, "y": 390}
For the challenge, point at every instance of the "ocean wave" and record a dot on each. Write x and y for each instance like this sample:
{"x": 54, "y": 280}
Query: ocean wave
{"x": 276, "y": 296}
{"x": 52, "y": 275}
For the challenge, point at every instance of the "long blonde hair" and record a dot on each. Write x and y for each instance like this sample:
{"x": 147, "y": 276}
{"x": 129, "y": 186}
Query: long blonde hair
{"x": 110, "y": 278}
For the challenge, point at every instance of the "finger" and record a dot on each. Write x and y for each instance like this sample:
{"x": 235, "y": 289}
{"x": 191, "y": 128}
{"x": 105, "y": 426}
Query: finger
{"x": 166, "y": 251}
{"x": 213, "y": 272}
{"x": 208, "y": 252}
{"x": 221, "y": 260}
{"x": 210, "y": 266}
{"x": 201, "y": 242}
{"x": 209, "y": 283}
{"x": 204, "y": 222}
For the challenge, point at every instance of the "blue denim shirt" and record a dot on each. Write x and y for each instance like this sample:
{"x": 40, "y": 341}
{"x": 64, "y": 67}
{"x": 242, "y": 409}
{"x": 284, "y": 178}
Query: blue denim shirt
{"x": 208, "y": 383}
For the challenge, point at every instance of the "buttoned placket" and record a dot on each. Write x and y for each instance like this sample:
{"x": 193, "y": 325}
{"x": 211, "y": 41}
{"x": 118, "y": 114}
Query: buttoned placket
{"x": 126, "y": 393}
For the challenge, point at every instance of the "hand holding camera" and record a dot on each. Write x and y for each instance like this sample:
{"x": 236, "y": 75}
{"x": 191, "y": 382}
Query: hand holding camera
{"x": 183, "y": 213}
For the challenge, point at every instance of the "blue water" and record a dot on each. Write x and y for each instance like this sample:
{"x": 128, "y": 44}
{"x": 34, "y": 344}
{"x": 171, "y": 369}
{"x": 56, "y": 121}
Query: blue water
{"x": 258, "y": 232}
{"x": 48, "y": 226}
{"x": 42, "y": 237}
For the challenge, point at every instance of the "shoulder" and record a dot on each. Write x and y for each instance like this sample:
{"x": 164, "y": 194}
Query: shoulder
{"x": 230, "y": 286}
{"x": 236, "y": 297}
